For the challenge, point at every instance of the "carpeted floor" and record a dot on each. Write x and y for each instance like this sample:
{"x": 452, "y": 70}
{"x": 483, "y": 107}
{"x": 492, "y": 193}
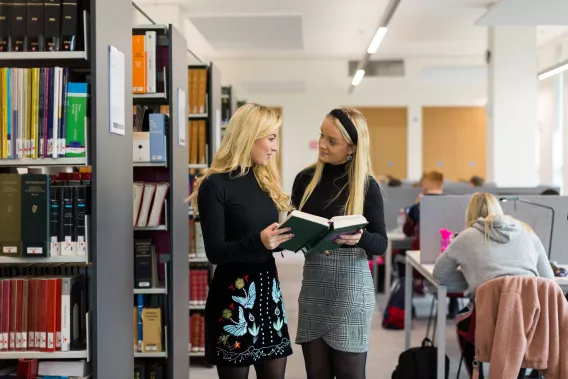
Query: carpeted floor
{"x": 385, "y": 347}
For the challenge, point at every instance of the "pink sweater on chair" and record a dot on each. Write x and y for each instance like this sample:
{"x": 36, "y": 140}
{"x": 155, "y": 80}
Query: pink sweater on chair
{"x": 522, "y": 322}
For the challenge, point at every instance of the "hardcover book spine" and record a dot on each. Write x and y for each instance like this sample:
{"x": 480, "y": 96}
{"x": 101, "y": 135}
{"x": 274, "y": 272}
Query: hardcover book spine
{"x": 80, "y": 233}
{"x": 143, "y": 264}
{"x": 35, "y": 215}
{"x": 157, "y": 137}
{"x": 68, "y": 246}
{"x": 76, "y": 119}
{"x": 34, "y": 40}
{"x": 69, "y": 23}
{"x": 10, "y": 214}
{"x": 18, "y": 25}
{"x": 52, "y": 24}
{"x": 5, "y": 7}
{"x": 55, "y": 220}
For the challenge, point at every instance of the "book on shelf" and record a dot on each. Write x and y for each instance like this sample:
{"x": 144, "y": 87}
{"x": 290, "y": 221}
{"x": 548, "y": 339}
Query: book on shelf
{"x": 196, "y": 243}
{"x": 148, "y": 327}
{"x": 196, "y": 333}
{"x": 43, "y": 313}
{"x": 144, "y": 369}
{"x": 43, "y": 113}
{"x": 145, "y": 264}
{"x": 64, "y": 369}
{"x": 197, "y": 130}
{"x": 149, "y": 136}
{"x": 150, "y": 57}
{"x": 44, "y": 216}
{"x": 148, "y": 203}
{"x": 314, "y": 234}
{"x": 198, "y": 286}
{"x": 42, "y": 25}
{"x": 197, "y": 86}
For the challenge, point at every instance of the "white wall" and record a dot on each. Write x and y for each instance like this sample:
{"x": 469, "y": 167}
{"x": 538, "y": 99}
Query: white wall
{"x": 325, "y": 85}
{"x": 552, "y": 96}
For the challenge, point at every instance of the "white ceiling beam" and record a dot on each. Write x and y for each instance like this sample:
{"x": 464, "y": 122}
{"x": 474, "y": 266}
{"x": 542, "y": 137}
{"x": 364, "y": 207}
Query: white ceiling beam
{"x": 526, "y": 13}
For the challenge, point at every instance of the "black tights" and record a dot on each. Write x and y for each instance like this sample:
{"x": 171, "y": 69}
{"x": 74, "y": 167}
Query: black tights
{"x": 324, "y": 362}
{"x": 267, "y": 369}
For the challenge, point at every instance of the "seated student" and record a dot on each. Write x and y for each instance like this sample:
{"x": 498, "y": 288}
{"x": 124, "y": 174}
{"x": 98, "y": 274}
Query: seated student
{"x": 432, "y": 183}
{"x": 550, "y": 191}
{"x": 476, "y": 181}
{"x": 491, "y": 246}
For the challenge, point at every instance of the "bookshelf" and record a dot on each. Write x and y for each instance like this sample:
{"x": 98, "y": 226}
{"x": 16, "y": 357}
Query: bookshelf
{"x": 205, "y": 109}
{"x": 105, "y": 172}
{"x": 162, "y": 244}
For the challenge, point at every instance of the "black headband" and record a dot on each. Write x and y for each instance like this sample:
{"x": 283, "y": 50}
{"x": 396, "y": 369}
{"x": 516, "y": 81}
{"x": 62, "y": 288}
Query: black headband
{"x": 347, "y": 124}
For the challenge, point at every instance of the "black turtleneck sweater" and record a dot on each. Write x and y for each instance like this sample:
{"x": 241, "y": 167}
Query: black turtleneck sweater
{"x": 233, "y": 211}
{"x": 334, "y": 177}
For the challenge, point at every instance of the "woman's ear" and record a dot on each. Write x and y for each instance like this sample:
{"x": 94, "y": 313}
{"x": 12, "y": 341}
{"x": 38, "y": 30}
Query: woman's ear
{"x": 351, "y": 150}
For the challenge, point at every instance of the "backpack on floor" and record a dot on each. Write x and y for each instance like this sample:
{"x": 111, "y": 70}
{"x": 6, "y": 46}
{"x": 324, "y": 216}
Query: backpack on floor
{"x": 393, "y": 317}
{"x": 419, "y": 363}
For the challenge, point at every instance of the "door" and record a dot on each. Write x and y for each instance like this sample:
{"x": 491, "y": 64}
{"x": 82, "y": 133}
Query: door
{"x": 388, "y": 128}
{"x": 454, "y": 141}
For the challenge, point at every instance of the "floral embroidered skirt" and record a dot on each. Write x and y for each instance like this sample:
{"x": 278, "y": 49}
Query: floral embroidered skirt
{"x": 245, "y": 319}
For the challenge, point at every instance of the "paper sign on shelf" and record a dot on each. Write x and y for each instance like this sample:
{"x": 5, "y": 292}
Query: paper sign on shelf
{"x": 117, "y": 91}
{"x": 181, "y": 118}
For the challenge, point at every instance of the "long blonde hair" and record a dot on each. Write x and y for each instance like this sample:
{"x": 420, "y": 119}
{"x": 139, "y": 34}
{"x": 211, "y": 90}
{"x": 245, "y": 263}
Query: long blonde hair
{"x": 486, "y": 206}
{"x": 249, "y": 123}
{"x": 482, "y": 205}
{"x": 359, "y": 170}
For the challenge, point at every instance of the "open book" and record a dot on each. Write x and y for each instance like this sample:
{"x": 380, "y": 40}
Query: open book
{"x": 313, "y": 234}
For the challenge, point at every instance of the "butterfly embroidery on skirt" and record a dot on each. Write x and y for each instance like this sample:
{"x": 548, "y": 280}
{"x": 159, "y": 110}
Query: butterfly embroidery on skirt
{"x": 249, "y": 299}
{"x": 239, "y": 328}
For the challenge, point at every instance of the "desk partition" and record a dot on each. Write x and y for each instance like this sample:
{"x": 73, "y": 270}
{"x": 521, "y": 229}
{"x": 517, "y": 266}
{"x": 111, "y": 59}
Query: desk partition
{"x": 397, "y": 198}
{"x": 448, "y": 212}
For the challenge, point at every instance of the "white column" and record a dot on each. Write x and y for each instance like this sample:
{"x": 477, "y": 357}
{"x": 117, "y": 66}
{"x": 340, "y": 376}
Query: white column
{"x": 512, "y": 120}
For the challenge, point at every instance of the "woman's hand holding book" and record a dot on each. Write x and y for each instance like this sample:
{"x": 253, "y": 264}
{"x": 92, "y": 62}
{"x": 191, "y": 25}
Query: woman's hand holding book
{"x": 272, "y": 237}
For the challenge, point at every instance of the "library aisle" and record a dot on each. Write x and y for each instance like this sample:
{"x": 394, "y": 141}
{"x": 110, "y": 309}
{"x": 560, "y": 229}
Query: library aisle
{"x": 386, "y": 345}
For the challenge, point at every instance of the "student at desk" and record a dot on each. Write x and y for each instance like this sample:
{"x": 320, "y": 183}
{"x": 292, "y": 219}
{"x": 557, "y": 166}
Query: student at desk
{"x": 492, "y": 245}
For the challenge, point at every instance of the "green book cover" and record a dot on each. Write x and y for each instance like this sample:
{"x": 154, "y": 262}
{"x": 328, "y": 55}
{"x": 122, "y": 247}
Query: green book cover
{"x": 10, "y": 215}
{"x": 314, "y": 234}
{"x": 36, "y": 207}
{"x": 77, "y": 94}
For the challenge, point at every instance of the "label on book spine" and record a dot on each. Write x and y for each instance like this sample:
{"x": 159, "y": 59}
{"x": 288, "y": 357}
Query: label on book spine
{"x": 81, "y": 246}
{"x": 10, "y": 250}
{"x": 34, "y": 250}
{"x": 54, "y": 247}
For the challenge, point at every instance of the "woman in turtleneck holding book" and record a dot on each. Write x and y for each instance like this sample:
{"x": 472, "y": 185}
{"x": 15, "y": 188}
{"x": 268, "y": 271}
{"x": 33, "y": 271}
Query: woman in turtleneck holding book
{"x": 238, "y": 201}
{"x": 337, "y": 299}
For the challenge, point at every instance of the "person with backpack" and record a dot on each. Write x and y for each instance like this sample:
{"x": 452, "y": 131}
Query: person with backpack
{"x": 492, "y": 245}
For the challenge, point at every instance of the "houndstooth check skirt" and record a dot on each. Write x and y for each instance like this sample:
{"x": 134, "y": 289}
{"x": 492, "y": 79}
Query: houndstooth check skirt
{"x": 337, "y": 300}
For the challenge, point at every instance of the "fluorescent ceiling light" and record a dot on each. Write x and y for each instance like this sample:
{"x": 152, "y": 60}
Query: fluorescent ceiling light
{"x": 377, "y": 39}
{"x": 358, "y": 77}
{"x": 553, "y": 71}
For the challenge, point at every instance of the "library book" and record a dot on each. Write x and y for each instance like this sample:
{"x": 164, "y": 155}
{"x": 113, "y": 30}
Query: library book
{"x": 314, "y": 234}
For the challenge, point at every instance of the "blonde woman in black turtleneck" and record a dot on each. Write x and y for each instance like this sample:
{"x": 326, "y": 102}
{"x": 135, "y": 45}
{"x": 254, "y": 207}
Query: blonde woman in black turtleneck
{"x": 238, "y": 201}
{"x": 337, "y": 299}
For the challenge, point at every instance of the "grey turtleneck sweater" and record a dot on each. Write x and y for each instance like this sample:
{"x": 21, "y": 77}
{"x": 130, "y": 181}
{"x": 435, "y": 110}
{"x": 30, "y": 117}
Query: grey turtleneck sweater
{"x": 509, "y": 249}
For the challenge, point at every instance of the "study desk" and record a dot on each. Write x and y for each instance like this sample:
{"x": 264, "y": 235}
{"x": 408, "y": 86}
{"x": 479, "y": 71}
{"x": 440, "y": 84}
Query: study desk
{"x": 397, "y": 240}
{"x": 413, "y": 261}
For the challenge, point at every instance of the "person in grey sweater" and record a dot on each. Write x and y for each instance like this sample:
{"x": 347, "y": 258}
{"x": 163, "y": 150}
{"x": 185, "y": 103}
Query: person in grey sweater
{"x": 491, "y": 246}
